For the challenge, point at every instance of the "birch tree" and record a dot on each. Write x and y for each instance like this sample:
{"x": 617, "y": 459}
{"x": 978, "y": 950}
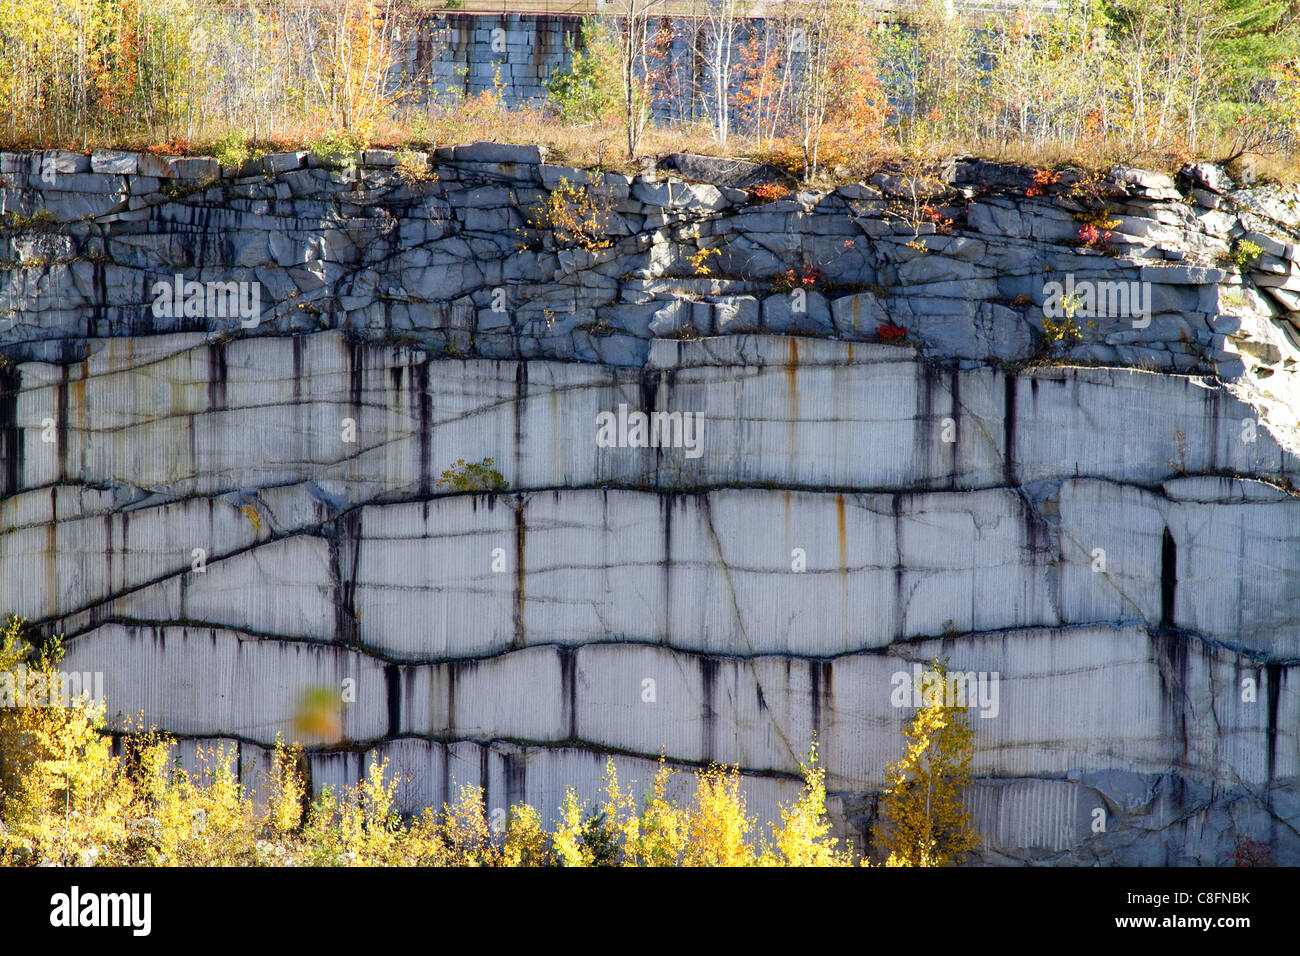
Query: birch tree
{"x": 634, "y": 51}
{"x": 721, "y": 31}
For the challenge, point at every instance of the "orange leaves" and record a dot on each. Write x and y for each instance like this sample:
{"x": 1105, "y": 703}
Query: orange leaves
{"x": 808, "y": 277}
{"x": 1044, "y": 179}
{"x": 658, "y": 59}
{"x": 770, "y": 192}
{"x": 354, "y": 63}
{"x": 859, "y": 105}
{"x": 756, "y": 100}
{"x": 96, "y": 70}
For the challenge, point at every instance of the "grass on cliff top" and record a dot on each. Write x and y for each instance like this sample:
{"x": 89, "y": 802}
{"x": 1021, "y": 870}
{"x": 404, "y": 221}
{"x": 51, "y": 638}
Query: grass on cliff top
{"x": 603, "y": 147}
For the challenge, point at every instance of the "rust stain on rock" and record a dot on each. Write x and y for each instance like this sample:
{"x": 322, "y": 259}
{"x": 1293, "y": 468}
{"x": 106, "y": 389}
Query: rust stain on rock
{"x": 842, "y": 528}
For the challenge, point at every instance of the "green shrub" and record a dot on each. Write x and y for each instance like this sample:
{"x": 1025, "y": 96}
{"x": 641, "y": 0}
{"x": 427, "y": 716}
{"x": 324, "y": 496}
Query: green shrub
{"x": 473, "y": 476}
{"x": 589, "y": 92}
{"x": 232, "y": 149}
{"x": 336, "y": 147}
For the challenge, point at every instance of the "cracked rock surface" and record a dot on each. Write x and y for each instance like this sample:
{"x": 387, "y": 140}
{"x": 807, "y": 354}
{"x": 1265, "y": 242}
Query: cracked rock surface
{"x": 1107, "y": 521}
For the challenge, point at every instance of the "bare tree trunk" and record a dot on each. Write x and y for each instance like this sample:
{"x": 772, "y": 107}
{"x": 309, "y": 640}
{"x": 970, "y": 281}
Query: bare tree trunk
{"x": 636, "y": 15}
{"x": 722, "y": 36}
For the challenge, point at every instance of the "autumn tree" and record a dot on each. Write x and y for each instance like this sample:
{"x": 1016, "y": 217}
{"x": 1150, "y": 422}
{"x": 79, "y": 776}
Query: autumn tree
{"x": 67, "y": 797}
{"x": 595, "y": 836}
{"x": 351, "y": 63}
{"x": 1261, "y": 34}
{"x": 1050, "y": 77}
{"x": 931, "y": 70}
{"x": 91, "y": 68}
{"x": 63, "y": 791}
{"x": 664, "y": 71}
{"x": 836, "y": 88}
{"x": 803, "y": 836}
{"x": 719, "y": 830}
{"x": 657, "y": 834}
{"x": 925, "y": 821}
{"x": 1284, "y": 105}
{"x": 763, "y": 78}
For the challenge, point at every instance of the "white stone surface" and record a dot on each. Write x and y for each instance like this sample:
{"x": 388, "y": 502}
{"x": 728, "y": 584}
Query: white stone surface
{"x": 1106, "y": 523}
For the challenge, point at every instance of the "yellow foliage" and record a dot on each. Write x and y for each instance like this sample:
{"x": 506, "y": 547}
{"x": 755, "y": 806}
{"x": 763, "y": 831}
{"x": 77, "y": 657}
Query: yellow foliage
{"x": 288, "y": 788}
{"x": 717, "y": 825}
{"x": 567, "y": 840}
{"x": 657, "y": 835}
{"x": 699, "y": 260}
{"x": 353, "y": 63}
{"x": 926, "y": 823}
{"x": 803, "y": 838}
{"x": 254, "y": 517}
{"x": 466, "y": 836}
{"x": 1099, "y": 218}
{"x": 65, "y": 793}
{"x": 489, "y": 104}
{"x": 596, "y": 837}
{"x": 65, "y": 797}
{"x": 576, "y": 215}
{"x": 526, "y": 843}
{"x": 205, "y": 818}
{"x": 414, "y": 167}
{"x": 1065, "y": 331}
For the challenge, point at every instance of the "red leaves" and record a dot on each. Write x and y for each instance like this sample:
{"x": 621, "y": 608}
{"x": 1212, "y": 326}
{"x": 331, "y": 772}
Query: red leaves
{"x": 889, "y": 332}
{"x": 1092, "y": 237}
{"x": 770, "y": 192}
{"x": 808, "y": 277}
{"x": 1044, "y": 179}
{"x": 1250, "y": 852}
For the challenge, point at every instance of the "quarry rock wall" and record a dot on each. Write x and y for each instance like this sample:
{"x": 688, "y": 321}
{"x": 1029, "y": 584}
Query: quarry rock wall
{"x": 229, "y": 398}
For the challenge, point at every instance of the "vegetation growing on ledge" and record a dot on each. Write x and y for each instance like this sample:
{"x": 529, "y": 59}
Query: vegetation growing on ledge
{"x": 473, "y": 476}
{"x": 816, "y": 87}
{"x": 67, "y": 798}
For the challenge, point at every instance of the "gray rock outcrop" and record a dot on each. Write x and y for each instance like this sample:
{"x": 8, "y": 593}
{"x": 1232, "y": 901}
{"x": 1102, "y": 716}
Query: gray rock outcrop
{"x": 905, "y": 451}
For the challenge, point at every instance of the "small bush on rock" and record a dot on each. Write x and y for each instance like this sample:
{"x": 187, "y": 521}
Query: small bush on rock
{"x": 473, "y": 476}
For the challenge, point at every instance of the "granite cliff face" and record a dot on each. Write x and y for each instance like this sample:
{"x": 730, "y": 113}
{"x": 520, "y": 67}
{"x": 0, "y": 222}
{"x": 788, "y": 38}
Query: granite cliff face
{"x": 902, "y": 454}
